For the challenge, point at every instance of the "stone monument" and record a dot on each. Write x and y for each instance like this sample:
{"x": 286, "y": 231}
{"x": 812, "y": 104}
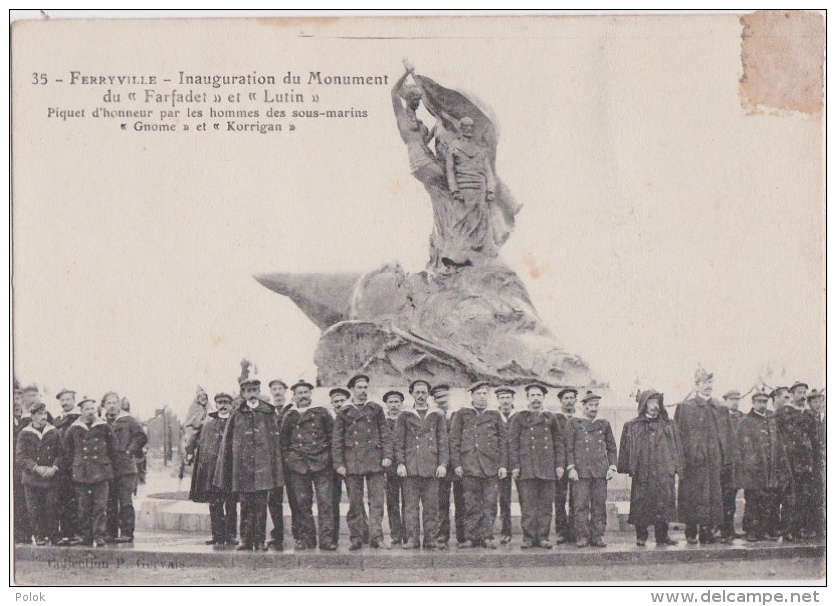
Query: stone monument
{"x": 467, "y": 316}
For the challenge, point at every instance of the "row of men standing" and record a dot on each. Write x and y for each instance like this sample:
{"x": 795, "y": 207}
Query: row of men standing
{"x": 410, "y": 458}
{"x": 777, "y": 458}
{"x": 77, "y": 471}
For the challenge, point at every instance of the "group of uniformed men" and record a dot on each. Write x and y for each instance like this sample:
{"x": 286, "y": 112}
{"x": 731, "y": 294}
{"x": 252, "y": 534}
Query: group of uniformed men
{"x": 75, "y": 475}
{"x": 408, "y": 460}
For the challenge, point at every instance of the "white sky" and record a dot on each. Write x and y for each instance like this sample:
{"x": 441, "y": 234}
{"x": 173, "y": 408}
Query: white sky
{"x": 668, "y": 227}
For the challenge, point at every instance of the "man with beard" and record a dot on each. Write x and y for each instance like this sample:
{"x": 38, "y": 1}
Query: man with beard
{"x": 395, "y": 498}
{"x": 441, "y": 396}
{"x": 421, "y": 454}
{"x": 762, "y": 467}
{"x": 37, "y": 454}
{"x": 591, "y": 459}
{"x": 339, "y": 397}
{"x": 537, "y": 457}
{"x": 564, "y": 524}
{"x": 250, "y": 462}
{"x": 705, "y": 434}
{"x": 731, "y": 400}
{"x": 798, "y": 432}
{"x": 651, "y": 455}
{"x": 223, "y": 513}
{"x": 275, "y": 502}
{"x": 479, "y": 456}
{"x": 361, "y": 450}
{"x": 67, "y": 502}
{"x": 505, "y": 403}
{"x": 306, "y": 434}
{"x": 89, "y": 452}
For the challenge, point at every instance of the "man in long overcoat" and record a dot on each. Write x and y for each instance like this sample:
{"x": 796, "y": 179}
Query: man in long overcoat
{"x": 128, "y": 441}
{"x": 650, "y": 453}
{"x": 761, "y": 466}
{"x": 361, "y": 450}
{"x": 798, "y": 432}
{"x": 306, "y": 445}
{"x": 223, "y": 506}
{"x": 88, "y": 450}
{"x": 479, "y": 456}
{"x": 250, "y": 462}
{"x": 705, "y": 434}
{"x": 536, "y": 450}
{"x": 37, "y": 455}
{"x": 421, "y": 454}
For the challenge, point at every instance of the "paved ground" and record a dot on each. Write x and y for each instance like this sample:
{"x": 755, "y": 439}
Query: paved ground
{"x": 35, "y": 573}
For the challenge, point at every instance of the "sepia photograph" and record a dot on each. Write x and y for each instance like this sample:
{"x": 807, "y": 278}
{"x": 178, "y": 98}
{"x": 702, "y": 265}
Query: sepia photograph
{"x": 418, "y": 300}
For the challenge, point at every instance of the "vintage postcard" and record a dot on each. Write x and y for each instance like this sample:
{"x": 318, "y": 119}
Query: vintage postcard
{"x": 418, "y": 300}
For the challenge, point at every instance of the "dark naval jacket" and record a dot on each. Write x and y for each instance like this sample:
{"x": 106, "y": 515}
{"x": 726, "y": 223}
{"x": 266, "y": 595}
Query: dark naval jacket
{"x": 478, "y": 442}
{"x": 128, "y": 442}
{"x": 761, "y": 456}
{"x": 250, "y": 459}
{"x": 536, "y": 445}
{"x": 361, "y": 439}
{"x": 38, "y": 449}
{"x": 590, "y": 447}
{"x": 89, "y": 451}
{"x": 306, "y": 435}
{"x": 421, "y": 444}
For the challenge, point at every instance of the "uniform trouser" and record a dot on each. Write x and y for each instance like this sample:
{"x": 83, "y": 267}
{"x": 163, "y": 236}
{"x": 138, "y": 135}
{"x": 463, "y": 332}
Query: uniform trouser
{"x": 358, "y": 526}
{"x": 480, "y": 495}
{"x": 590, "y": 508}
{"x": 445, "y": 486}
{"x": 729, "y": 502}
{"x": 254, "y": 517}
{"x": 92, "y": 510}
{"x": 563, "y": 523}
{"x": 759, "y": 510}
{"x": 505, "y": 504}
{"x": 421, "y": 493}
{"x": 337, "y": 497}
{"x": 395, "y": 507}
{"x": 67, "y": 506}
{"x": 42, "y": 504}
{"x": 120, "y": 506}
{"x": 304, "y": 485}
{"x": 23, "y": 531}
{"x": 819, "y": 502}
{"x": 660, "y": 530}
{"x": 223, "y": 514}
{"x": 275, "y": 504}
{"x": 536, "y": 499}
{"x": 784, "y": 514}
{"x": 805, "y": 502}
